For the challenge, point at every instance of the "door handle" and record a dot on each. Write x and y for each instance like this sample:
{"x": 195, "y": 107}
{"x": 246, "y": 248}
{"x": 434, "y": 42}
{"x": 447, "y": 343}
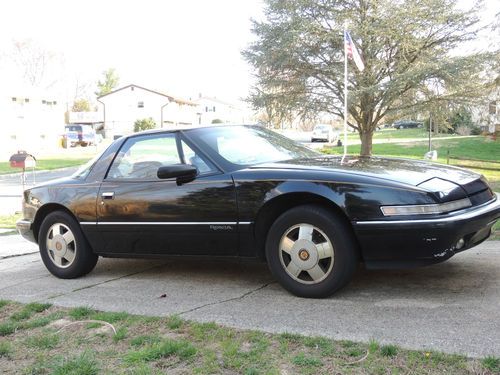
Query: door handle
{"x": 108, "y": 195}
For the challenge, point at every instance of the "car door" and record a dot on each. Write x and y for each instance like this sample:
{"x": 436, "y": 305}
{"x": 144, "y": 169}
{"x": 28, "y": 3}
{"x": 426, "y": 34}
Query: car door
{"x": 138, "y": 213}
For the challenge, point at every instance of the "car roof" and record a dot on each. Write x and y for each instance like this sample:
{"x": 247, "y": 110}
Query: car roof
{"x": 175, "y": 128}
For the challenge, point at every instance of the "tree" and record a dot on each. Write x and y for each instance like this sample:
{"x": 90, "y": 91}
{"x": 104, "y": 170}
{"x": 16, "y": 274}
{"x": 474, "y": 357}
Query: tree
{"x": 109, "y": 83}
{"x": 144, "y": 124}
{"x": 81, "y": 105}
{"x": 37, "y": 66}
{"x": 405, "y": 45}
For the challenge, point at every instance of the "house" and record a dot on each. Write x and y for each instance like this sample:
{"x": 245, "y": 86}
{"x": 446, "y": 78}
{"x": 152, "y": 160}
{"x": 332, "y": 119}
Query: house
{"x": 487, "y": 116}
{"x": 123, "y": 106}
{"x": 212, "y": 110}
{"x": 30, "y": 119}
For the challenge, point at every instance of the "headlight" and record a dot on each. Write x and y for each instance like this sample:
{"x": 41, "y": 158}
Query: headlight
{"x": 426, "y": 209}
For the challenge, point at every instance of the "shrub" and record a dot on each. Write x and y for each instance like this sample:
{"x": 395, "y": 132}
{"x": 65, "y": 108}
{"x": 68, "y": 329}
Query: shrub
{"x": 144, "y": 124}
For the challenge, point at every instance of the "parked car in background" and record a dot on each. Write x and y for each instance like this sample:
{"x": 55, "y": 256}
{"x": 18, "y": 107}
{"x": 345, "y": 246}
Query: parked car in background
{"x": 407, "y": 124}
{"x": 79, "y": 135}
{"x": 325, "y": 133}
{"x": 247, "y": 191}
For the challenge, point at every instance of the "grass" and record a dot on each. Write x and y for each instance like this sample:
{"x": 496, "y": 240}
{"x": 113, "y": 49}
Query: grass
{"x": 145, "y": 345}
{"x": 389, "y": 350}
{"x": 391, "y": 134}
{"x": 472, "y": 148}
{"x": 9, "y": 221}
{"x": 492, "y": 364}
{"x": 83, "y": 364}
{"x": 46, "y": 164}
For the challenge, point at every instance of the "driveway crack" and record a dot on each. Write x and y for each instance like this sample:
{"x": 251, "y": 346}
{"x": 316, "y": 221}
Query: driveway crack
{"x": 106, "y": 281}
{"x": 227, "y": 300}
{"x": 17, "y": 255}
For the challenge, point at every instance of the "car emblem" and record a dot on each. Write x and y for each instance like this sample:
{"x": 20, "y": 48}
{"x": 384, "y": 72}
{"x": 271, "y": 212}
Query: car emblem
{"x": 304, "y": 254}
{"x": 58, "y": 246}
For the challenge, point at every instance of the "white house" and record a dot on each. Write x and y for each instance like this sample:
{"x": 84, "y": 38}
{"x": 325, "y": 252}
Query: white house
{"x": 30, "y": 119}
{"x": 487, "y": 116}
{"x": 210, "y": 109}
{"x": 123, "y": 106}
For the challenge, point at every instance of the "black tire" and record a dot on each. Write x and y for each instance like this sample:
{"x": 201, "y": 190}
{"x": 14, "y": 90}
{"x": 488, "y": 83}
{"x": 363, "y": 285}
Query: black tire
{"x": 345, "y": 257}
{"x": 83, "y": 259}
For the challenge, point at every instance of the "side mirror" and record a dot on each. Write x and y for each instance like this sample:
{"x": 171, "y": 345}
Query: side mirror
{"x": 182, "y": 172}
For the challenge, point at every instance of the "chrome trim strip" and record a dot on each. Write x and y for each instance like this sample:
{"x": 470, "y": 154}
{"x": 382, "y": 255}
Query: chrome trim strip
{"x": 468, "y": 214}
{"x": 165, "y": 223}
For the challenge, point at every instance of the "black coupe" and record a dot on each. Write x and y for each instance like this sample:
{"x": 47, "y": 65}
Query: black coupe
{"x": 249, "y": 192}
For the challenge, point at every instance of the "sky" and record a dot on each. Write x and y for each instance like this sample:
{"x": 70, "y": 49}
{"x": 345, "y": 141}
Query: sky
{"x": 183, "y": 47}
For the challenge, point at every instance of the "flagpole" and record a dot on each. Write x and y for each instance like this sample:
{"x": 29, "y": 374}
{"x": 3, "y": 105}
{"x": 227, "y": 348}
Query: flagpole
{"x": 345, "y": 93}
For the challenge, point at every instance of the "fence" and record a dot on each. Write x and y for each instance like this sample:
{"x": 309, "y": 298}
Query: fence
{"x": 491, "y": 165}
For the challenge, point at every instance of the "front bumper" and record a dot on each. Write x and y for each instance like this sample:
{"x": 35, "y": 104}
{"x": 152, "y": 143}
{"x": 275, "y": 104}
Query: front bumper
{"x": 25, "y": 229}
{"x": 415, "y": 242}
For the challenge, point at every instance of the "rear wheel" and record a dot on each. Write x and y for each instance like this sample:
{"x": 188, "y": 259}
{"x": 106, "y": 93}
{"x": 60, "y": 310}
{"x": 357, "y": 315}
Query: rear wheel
{"x": 63, "y": 247}
{"x": 311, "y": 251}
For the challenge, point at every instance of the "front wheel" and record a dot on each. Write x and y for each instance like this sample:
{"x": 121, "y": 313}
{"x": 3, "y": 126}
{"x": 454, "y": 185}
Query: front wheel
{"x": 63, "y": 247}
{"x": 311, "y": 251}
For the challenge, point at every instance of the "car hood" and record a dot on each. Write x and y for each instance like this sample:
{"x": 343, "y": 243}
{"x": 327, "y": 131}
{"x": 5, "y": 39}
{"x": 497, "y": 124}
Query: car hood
{"x": 429, "y": 176}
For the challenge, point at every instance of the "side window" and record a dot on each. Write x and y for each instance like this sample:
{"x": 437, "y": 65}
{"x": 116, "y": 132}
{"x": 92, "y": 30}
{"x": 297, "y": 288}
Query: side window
{"x": 140, "y": 157}
{"x": 195, "y": 160}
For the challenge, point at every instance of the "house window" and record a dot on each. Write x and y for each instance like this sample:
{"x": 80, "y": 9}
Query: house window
{"x": 14, "y": 99}
{"x": 44, "y": 102}
{"x": 26, "y": 100}
{"x": 54, "y": 102}
{"x": 206, "y": 109}
{"x": 214, "y": 108}
{"x": 493, "y": 108}
{"x": 140, "y": 105}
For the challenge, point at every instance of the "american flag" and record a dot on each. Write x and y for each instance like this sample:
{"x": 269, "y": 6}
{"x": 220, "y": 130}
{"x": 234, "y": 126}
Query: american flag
{"x": 352, "y": 52}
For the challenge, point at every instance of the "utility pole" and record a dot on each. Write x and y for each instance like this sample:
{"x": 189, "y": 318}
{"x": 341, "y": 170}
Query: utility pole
{"x": 430, "y": 131}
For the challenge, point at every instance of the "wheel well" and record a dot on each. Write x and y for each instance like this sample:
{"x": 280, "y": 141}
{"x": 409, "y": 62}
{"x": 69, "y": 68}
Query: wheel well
{"x": 42, "y": 213}
{"x": 274, "y": 208}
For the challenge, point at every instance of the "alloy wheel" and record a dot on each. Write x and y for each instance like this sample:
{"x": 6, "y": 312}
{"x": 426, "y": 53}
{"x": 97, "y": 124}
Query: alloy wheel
{"x": 306, "y": 253}
{"x": 61, "y": 245}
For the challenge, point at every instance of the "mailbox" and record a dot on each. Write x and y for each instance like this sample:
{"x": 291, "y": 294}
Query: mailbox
{"x": 22, "y": 159}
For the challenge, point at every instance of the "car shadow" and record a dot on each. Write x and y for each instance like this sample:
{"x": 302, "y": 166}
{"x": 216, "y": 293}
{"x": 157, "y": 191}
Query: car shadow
{"x": 454, "y": 278}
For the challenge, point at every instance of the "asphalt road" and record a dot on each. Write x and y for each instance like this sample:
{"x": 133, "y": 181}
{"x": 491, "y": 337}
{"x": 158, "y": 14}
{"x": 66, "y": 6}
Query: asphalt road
{"x": 11, "y": 187}
{"x": 452, "y": 307}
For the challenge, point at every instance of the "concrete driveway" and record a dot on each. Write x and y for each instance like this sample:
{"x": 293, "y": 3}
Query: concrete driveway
{"x": 453, "y": 306}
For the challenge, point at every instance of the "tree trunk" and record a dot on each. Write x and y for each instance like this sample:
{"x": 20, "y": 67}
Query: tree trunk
{"x": 366, "y": 143}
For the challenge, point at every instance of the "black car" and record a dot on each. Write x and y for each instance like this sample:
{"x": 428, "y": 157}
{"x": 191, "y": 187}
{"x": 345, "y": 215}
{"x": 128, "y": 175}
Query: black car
{"x": 246, "y": 191}
{"x": 407, "y": 124}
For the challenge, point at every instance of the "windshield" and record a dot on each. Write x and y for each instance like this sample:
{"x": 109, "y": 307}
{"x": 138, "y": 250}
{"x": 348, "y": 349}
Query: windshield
{"x": 248, "y": 145}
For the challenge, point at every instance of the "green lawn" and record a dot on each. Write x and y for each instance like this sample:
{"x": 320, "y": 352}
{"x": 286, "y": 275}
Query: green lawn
{"x": 390, "y": 134}
{"x": 9, "y": 221}
{"x": 38, "y": 338}
{"x": 46, "y": 164}
{"x": 475, "y": 148}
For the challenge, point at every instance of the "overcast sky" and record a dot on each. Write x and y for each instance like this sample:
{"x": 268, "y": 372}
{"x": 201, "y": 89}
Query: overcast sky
{"x": 181, "y": 47}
